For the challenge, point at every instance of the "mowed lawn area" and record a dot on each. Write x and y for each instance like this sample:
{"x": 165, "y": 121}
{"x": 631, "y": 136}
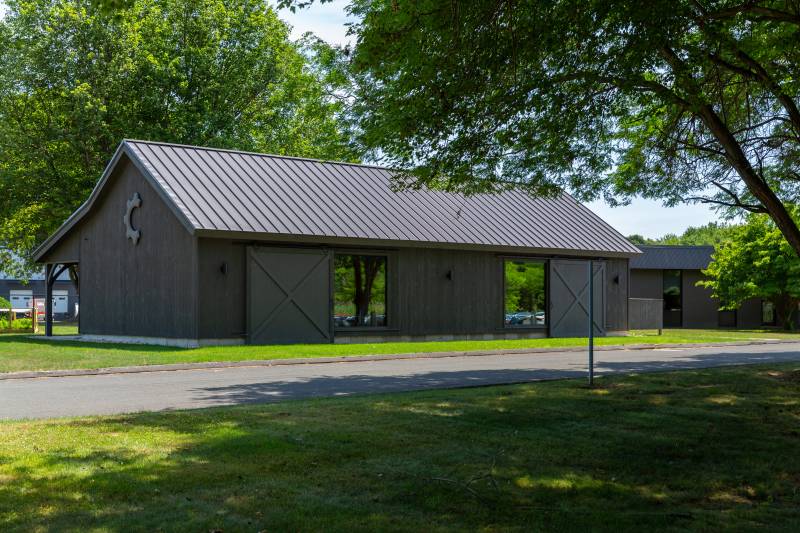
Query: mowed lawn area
{"x": 21, "y": 352}
{"x": 699, "y": 450}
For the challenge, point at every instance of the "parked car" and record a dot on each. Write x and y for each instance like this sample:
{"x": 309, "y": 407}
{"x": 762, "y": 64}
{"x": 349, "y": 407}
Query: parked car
{"x": 525, "y": 318}
{"x": 522, "y": 318}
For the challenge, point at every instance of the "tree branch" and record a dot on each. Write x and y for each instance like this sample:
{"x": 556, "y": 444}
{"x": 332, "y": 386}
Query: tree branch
{"x": 747, "y": 207}
{"x": 758, "y": 12}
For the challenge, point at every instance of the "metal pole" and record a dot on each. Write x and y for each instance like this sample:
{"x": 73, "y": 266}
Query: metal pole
{"x": 591, "y": 323}
{"x": 48, "y": 299}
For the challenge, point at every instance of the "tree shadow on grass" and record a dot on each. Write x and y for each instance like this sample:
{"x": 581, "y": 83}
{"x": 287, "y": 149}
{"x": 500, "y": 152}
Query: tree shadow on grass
{"x": 324, "y": 386}
{"x": 525, "y": 457}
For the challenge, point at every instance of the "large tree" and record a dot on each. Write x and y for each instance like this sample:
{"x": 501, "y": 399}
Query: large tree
{"x": 75, "y": 80}
{"x": 756, "y": 261}
{"x": 683, "y": 100}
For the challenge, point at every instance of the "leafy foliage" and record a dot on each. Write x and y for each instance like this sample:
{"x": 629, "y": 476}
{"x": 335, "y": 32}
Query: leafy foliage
{"x": 76, "y": 80}
{"x": 4, "y": 304}
{"x": 756, "y": 262}
{"x": 712, "y": 233}
{"x": 687, "y": 101}
{"x": 18, "y": 324}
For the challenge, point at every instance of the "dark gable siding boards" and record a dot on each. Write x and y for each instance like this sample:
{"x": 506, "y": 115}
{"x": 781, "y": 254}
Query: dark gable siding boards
{"x": 68, "y": 250}
{"x": 145, "y": 290}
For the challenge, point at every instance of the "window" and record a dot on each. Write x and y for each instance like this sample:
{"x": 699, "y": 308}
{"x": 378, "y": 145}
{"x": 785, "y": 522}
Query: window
{"x": 768, "y": 313}
{"x": 672, "y": 290}
{"x": 524, "y": 299}
{"x": 359, "y": 297}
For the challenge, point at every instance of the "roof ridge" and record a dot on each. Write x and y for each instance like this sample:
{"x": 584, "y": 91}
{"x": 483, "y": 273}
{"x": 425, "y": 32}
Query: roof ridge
{"x": 260, "y": 154}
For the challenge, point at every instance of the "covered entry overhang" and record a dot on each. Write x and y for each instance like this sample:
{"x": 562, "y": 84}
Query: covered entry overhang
{"x": 52, "y": 271}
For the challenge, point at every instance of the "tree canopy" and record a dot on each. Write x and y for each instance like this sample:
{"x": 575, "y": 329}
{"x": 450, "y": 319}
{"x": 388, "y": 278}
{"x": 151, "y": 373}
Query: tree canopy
{"x": 710, "y": 234}
{"x": 682, "y": 100}
{"x": 76, "y": 80}
{"x": 756, "y": 262}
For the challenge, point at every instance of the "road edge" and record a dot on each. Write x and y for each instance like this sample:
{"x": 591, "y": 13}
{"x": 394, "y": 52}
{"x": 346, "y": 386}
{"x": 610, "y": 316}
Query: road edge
{"x": 173, "y": 367}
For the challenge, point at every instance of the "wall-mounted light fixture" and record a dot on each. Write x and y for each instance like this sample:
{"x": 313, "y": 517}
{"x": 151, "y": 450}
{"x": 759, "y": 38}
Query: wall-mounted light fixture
{"x": 224, "y": 268}
{"x": 616, "y": 279}
{"x": 449, "y": 275}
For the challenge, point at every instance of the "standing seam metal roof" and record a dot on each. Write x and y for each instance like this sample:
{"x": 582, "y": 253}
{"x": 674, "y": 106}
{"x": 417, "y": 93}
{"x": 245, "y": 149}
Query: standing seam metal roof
{"x": 673, "y": 257}
{"x": 216, "y": 190}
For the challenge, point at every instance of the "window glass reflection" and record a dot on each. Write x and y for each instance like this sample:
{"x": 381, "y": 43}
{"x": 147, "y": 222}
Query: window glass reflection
{"x": 672, "y": 290}
{"x": 768, "y": 317}
{"x": 359, "y": 291}
{"x": 524, "y": 293}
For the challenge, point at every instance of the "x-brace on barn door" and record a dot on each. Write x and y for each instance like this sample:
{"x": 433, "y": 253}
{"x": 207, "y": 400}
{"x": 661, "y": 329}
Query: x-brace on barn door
{"x": 569, "y": 298}
{"x": 288, "y": 295}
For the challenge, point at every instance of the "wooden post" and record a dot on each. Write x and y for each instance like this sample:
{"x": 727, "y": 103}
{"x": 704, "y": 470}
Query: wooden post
{"x": 48, "y": 301}
{"x": 35, "y": 317}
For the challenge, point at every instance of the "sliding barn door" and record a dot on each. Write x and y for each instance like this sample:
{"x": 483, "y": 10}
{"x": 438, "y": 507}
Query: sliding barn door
{"x": 569, "y": 298}
{"x": 288, "y": 296}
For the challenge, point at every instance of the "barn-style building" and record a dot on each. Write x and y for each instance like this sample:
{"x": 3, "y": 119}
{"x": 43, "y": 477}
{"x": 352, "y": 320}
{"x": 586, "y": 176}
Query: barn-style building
{"x": 187, "y": 245}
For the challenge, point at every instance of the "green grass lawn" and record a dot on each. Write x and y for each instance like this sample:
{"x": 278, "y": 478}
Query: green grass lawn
{"x": 19, "y": 352}
{"x": 693, "y": 450}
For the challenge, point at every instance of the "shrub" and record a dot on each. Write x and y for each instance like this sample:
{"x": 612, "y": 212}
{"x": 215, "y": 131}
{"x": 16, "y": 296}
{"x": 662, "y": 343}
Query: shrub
{"x": 4, "y": 304}
{"x": 20, "y": 324}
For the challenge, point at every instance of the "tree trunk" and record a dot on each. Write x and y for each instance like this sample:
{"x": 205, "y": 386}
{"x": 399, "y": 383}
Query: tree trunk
{"x": 364, "y": 280}
{"x": 785, "y": 309}
{"x": 759, "y": 188}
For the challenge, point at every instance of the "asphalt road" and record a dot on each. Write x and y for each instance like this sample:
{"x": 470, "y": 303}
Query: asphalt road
{"x": 185, "y": 389}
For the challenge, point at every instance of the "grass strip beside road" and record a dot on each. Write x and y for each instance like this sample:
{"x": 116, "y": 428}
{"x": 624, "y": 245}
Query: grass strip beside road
{"x": 20, "y": 352}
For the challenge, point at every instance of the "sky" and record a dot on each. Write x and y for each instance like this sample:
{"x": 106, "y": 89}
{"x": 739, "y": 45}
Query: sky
{"x": 644, "y": 217}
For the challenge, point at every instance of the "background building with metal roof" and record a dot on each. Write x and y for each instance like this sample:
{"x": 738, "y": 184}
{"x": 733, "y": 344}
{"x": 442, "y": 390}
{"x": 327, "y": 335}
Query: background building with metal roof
{"x": 190, "y": 244}
{"x": 671, "y": 274}
{"x": 30, "y": 292}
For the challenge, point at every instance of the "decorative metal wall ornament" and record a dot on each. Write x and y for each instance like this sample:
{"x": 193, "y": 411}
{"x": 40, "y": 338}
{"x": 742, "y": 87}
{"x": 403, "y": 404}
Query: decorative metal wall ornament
{"x": 131, "y": 232}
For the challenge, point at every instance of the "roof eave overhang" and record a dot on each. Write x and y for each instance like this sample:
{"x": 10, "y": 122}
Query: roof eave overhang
{"x": 279, "y": 238}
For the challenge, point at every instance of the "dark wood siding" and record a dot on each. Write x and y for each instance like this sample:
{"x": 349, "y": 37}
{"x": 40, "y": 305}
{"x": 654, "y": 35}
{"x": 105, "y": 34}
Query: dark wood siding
{"x": 647, "y": 284}
{"x": 749, "y": 314}
{"x": 222, "y": 295}
{"x": 617, "y": 294}
{"x": 700, "y": 309}
{"x": 423, "y": 300}
{"x": 146, "y": 290}
{"x": 66, "y": 251}
{"x": 429, "y": 303}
